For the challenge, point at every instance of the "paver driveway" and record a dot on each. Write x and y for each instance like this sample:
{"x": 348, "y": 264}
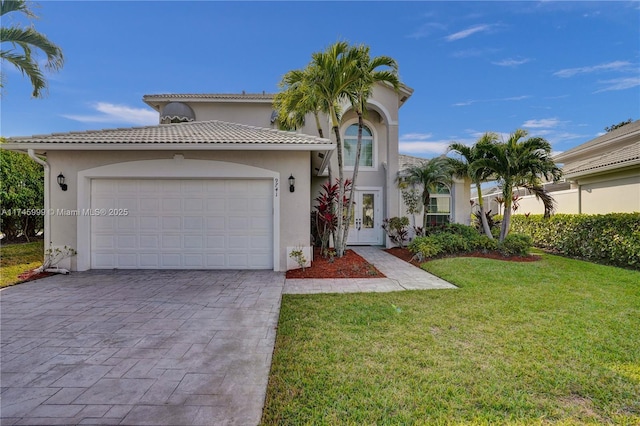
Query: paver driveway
{"x": 138, "y": 347}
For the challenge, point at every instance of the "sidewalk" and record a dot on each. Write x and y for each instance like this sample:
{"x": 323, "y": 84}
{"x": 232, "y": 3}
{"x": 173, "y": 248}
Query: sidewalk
{"x": 400, "y": 276}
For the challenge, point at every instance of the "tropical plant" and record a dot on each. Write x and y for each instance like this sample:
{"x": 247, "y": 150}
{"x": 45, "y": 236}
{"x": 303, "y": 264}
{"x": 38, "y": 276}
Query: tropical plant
{"x": 340, "y": 74}
{"x": 397, "y": 229}
{"x": 518, "y": 162}
{"x": 297, "y": 99}
{"x": 358, "y": 97}
{"x": 428, "y": 175}
{"x": 411, "y": 199}
{"x": 463, "y": 167}
{"x": 23, "y": 42}
{"x": 325, "y": 212}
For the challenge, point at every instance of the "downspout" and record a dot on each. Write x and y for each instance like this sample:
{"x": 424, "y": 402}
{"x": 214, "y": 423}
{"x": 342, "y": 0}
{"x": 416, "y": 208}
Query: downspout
{"x": 47, "y": 216}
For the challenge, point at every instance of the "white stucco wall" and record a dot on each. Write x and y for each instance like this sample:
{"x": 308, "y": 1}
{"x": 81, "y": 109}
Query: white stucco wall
{"x": 294, "y": 207}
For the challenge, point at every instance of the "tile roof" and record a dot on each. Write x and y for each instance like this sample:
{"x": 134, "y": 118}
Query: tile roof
{"x": 622, "y": 157}
{"x": 618, "y": 134}
{"x": 211, "y": 96}
{"x": 409, "y": 161}
{"x": 199, "y": 133}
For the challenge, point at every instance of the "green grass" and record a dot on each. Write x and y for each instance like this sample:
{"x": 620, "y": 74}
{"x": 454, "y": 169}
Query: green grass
{"x": 555, "y": 341}
{"x": 18, "y": 258}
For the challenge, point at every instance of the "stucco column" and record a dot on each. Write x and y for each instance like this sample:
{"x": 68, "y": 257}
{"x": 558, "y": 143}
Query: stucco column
{"x": 391, "y": 188}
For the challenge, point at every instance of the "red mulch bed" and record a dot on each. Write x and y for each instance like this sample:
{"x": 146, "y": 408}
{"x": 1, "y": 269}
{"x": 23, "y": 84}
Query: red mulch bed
{"x": 406, "y": 255}
{"x": 32, "y": 275}
{"x": 349, "y": 266}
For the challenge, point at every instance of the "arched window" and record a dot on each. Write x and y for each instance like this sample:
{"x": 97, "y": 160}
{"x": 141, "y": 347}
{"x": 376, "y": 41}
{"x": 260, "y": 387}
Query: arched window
{"x": 350, "y": 145}
{"x": 439, "y": 209}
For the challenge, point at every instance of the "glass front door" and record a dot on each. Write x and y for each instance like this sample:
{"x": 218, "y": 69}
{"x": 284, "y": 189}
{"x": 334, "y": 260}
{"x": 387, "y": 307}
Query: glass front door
{"x": 366, "y": 225}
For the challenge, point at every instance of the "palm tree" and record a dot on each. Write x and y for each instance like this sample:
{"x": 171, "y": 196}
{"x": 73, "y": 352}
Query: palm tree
{"x": 298, "y": 99}
{"x": 334, "y": 75}
{"x": 518, "y": 162}
{"x": 23, "y": 42}
{"x": 428, "y": 174}
{"x": 358, "y": 97}
{"x": 463, "y": 168}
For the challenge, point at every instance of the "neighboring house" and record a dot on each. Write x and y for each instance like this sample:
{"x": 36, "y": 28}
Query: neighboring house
{"x": 209, "y": 188}
{"x": 600, "y": 176}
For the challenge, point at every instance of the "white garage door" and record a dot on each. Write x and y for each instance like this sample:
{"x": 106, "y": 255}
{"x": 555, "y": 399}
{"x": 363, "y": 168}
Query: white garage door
{"x": 182, "y": 224}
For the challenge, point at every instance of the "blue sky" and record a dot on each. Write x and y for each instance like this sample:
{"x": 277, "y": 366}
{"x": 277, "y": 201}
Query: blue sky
{"x": 562, "y": 70}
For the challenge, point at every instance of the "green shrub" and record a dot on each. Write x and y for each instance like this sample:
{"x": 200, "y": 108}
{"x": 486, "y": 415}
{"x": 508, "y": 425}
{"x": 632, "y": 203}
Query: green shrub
{"x": 515, "y": 245}
{"x": 425, "y": 247}
{"x": 450, "y": 239}
{"x": 611, "y": 238}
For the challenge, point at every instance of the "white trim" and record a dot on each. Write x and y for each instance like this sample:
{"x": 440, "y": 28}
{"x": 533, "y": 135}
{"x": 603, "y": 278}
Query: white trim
{"x": 385, "y": 112}
{"x": 374, "y": 148}
{"x": 177, "y": 168}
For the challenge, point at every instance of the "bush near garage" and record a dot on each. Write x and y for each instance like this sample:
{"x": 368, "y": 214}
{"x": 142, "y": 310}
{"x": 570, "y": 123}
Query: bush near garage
{"x": 608, "y": 238}
{"x": 21, "y": 196}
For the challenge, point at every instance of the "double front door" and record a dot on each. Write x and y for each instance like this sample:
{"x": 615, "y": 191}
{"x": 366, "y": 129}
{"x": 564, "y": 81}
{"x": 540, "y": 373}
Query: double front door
{"x": 366, "y": 221}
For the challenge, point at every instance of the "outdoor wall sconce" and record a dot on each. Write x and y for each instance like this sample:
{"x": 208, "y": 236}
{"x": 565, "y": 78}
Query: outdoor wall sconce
{"x": 292, "y": 183}
{"x": 63, "y": 185}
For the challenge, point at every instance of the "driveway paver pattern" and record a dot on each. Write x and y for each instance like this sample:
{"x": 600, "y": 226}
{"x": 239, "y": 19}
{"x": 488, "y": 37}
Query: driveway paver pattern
{"x": 138, "y": 347}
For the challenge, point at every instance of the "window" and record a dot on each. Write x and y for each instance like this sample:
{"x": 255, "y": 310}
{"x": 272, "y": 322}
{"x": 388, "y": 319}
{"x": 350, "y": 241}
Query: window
{"x": 439, "y": 209}
{"x": 351, "y": 143}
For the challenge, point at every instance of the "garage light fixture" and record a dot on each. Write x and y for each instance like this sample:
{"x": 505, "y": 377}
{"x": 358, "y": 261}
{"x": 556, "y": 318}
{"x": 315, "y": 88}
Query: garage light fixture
{"x": 292, "y": 183}
{"x": 61, "y": 181}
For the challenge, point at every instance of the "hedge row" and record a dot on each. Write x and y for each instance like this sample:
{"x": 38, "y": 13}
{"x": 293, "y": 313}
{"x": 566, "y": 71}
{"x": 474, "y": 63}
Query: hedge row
{"x": 611, "y": 238}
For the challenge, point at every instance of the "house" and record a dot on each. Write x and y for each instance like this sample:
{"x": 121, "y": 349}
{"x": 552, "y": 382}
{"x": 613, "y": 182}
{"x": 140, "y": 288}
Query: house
{"x": 600, "y": 176}
{"x": 215, "y": 185}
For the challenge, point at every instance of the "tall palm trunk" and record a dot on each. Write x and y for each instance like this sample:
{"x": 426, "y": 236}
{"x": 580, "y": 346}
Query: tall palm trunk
{"x": 321, "y": 134}
{"x": 426, "y": 196}
{"x": 506, "y": 219}
{"x": 483, "y": 217}
{"x": 338, "y": 238}
{"x": 354, "y": 178}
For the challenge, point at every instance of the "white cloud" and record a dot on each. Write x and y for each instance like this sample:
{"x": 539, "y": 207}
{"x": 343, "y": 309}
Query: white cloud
{"x": 511, "y": 62}
{"x": 416, "y": 136}
{"x": 475, "y": 101}
{"x": 469, "y": 31}
{"x": 418, "y": 143}
{"x": 609, "y": 66}
{"x": 619, "y": 84}
{"x": 113, "y": 113}
{"x": 426, "y": 29}
{"x": 472, "y": 53}
{"x": 545, "y": 123}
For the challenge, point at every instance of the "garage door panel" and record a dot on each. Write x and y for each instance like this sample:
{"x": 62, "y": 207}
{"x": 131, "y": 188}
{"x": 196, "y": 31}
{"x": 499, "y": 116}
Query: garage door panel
{"x": 149, "y": 223}
{"x": 193, "y": 241}
{"x": 171, "y": 260}
{"x": 124, "y": 242}
{"x": 126, "y": 223}
{"x": 181, "y": 224}
{"x": 149, "y": 260}
{"x": 128, "y": 260}
{"x": 149, "y": 242}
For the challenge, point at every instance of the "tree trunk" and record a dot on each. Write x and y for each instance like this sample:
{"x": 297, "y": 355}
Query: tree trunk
{"x": 356, "y": 166}
{"x": 506, "y": 218}
{"x": 483, "y": 217}
{"x": 425, "y": 207}
{"x": 339, "y": 204}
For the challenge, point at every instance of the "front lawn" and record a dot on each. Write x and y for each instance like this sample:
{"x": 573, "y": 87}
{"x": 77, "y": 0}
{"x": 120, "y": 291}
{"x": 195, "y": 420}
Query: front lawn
{"x": 18, "y": 258}
{"x": 554, "y": 341}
